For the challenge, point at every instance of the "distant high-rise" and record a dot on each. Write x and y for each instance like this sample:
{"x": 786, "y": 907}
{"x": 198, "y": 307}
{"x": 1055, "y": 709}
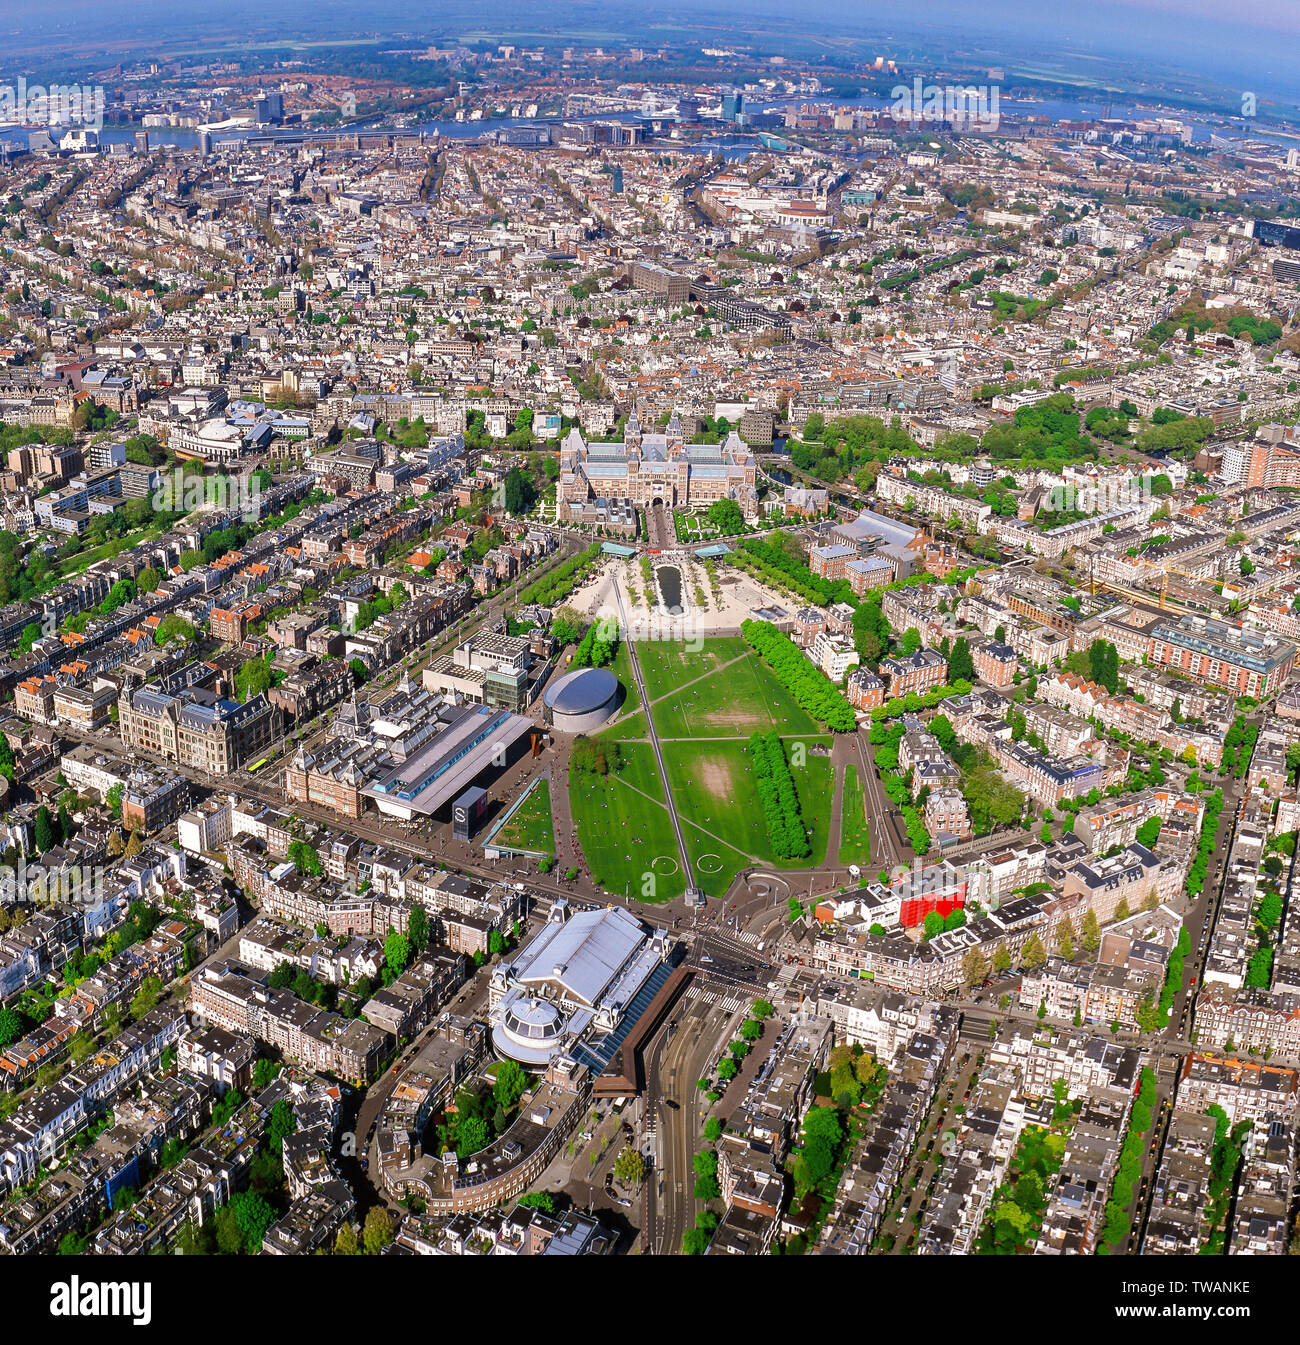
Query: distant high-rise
{"x": 270, "y": 107}
{"x": 733, "y": 105}
{"x": 142, "y": 142}
{"x": 617, "y": 185}
{"x": 205, "y": 143}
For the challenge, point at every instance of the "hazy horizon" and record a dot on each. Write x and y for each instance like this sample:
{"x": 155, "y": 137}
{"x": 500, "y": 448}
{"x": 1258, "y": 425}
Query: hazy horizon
{"x": 1191, "y": 36}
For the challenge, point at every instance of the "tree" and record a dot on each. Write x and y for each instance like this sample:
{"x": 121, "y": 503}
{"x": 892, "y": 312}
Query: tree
{"x": 418, "y": 929}
{"x": 264, "y": 1073}
{"x": 397, "y": 951}
{"x": 511, "y": 1084}
{"x": 726, "y": 516}
{"x": 11, "y": 1027}
{"x": 305, "y": 858}
{"x": 253, "y": 678}
{"x": 1065, "y": 942}
{"x": 961, "y": 665}
{"x": 629, "y": 1167}
{"x": 1001, "y": 960}
{"x": 1090, "y": 935}
{"x": 253, "y": 1215}
{"x": 280, "y": 1125}
{"x": 1033, "y": 954}
{"x": 822, "y": 1132}
{"x": 44, "y": 830}
{"x": 974, "y": 967}
{"x": 7, "y": 764}
{"x": 345, "y": 1241}
{"x": 146, "y": 997}
{"x": 519, "y": 492}
{"x": 378, "y": 1230}
{"x": 471, "y": 1136}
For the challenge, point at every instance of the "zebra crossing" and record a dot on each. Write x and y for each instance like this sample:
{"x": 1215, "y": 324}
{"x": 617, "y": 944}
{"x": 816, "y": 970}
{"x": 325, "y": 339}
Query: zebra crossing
{"x": 730, "y": 1002}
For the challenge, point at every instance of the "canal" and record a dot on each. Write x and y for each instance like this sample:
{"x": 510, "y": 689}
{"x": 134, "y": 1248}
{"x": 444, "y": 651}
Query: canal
{"x": 670, "y": 588}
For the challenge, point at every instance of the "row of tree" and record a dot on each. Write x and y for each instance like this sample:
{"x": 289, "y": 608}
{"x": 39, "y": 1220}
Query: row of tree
{"x": 811, "y": 690}
{"x": 776, "y": 792}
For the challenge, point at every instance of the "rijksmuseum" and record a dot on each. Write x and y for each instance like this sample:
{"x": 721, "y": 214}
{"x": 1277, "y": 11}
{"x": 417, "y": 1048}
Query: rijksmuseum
{"x": 649, "y": 469}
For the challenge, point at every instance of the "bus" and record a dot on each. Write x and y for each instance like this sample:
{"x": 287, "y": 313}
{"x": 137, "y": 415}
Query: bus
{"x": 257, "y": 765}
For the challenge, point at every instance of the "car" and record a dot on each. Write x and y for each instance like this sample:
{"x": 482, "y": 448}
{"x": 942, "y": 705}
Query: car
{"x": 675, "y": 1106}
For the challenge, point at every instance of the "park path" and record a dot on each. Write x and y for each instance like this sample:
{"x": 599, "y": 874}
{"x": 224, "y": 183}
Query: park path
{"x": 658, "y": 750}
{"x": 836, "y": 828}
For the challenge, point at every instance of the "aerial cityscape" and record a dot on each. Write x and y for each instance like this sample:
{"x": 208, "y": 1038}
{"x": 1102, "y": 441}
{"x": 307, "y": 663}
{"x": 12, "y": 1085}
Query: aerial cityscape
{"x": 647, "y": 634}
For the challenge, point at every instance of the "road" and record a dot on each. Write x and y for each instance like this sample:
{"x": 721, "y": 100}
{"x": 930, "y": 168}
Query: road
{"x": 681, "y": 1052}
{"x": 888, "y": 845}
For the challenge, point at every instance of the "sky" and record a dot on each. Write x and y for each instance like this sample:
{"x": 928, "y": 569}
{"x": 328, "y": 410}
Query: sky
{"x": 1250, "y": 44}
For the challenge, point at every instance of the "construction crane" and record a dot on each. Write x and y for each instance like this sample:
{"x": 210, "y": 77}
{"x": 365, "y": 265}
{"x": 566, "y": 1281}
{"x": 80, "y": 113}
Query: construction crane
{"x": 1164, "y": 582}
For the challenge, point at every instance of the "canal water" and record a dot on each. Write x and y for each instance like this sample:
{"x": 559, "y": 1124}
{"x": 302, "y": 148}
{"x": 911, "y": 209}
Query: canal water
{"x": 670, "y": 588}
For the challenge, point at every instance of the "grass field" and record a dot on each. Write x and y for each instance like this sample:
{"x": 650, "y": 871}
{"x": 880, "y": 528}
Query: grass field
{"x": 855, "y": 839}
{"x": 634, "y": 726}
{"x": 621, "y": 667}
{"x": 623, "y": 823}
{"x": 666, "y": 664}
{"x": 743, "y": 698}
{"x": 715, "y": 866}
{"x": 713, "y": 785}
{"x": 530, "y": 828}
{"x": 626, "y": 837}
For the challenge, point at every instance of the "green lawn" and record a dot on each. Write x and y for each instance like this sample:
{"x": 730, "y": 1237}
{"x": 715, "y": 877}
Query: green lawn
{"x": 855, "y": 840}
{"x": 626, "y": 837}
{"x": 666, "y": 664}
{"x": 741, "y": 699}
{"x": 641, "y": 770}
{"x": 713, "y": 785}
{"x": 714, "y": 788}
{"x": 622, "y": 821}
{"x": 530, "y": 828}
{"x": 715, "y": 866}
{"x": 621, "y": 667}
{"x": 634, "y": 726}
